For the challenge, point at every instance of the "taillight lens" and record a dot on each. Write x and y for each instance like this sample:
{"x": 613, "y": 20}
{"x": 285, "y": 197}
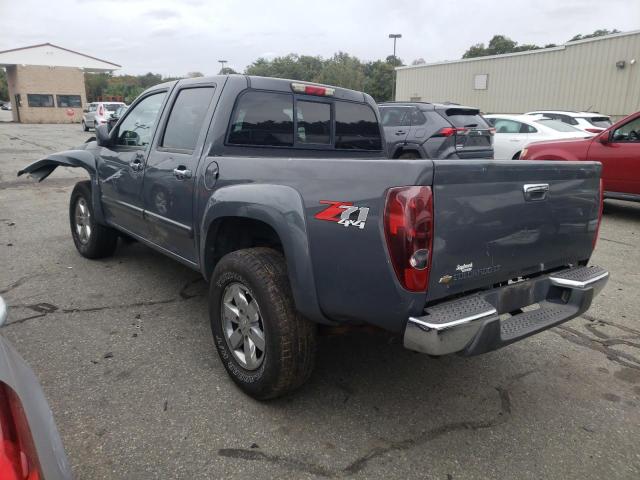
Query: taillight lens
{"x": 18, "y": 456}
{"x": 408, "y": 226}
{"x": 449, "y": 131}
{"x": 100, "y": 110}
{"x": 601, "y": 207}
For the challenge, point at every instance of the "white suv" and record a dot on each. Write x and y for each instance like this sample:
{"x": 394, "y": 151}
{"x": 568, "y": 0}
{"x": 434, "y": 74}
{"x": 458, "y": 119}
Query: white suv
{"x": 98, "y": 113}
{"x": 586, "y": 121}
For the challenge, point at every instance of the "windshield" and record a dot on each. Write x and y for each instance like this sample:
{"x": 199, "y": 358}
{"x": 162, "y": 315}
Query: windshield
{"x": 557, "y": 125}
{"x": 600, "y": 122}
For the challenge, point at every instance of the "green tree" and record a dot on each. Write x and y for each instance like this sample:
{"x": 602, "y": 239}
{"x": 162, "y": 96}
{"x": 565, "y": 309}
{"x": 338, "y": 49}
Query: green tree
{"x": 498, "y": 45}
{"x": 598, "y": 33}
{"x": 95, "y": 85}
{"x": 343, "y": 70}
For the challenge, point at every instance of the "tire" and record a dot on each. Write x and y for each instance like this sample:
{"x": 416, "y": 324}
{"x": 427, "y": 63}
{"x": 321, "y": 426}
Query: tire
{"x": 98, "y": 241}
{"x": 408, "y": 156}
{"x": 84, "y": 127}
{"x": 289, "y": 340}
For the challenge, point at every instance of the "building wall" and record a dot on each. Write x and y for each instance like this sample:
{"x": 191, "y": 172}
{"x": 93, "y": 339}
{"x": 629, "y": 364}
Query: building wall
{"x": 45, "y": 80}
{"x": 577, "y": 76}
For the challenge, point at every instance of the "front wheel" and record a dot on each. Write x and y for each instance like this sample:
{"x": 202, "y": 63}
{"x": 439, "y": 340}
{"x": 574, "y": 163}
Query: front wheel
{"x": 266, "y": 346}
{"x": 84, "y": 126}
{"x": 408, "y": 156}
{"x": 91, "y": 239}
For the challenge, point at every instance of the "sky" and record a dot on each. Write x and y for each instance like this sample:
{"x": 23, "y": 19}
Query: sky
{"x": 173, "y": 37}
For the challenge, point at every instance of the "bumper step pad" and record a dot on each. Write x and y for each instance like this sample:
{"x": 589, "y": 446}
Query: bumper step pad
{"x": 527, "y": 323}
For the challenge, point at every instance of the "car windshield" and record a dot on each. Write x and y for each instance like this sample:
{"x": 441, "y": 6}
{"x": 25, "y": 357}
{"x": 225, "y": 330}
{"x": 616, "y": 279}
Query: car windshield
{"x": 557, "y": 125}
{"x": 600, "y": 122}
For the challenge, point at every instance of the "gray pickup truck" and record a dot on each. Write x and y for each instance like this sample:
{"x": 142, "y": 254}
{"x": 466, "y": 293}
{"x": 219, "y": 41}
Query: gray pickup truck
{"x": 280, "y": 194}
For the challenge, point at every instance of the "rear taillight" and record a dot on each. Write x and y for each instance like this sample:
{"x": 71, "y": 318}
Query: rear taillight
{"x": 408, "y": 226}
{"x": 600, "y": 208}
{"x": 449, "y": 131}
{"x": 492, "y": 131}
{"x": 594, "y": 130}
{"x": 101, "y": 110}
{"x": 18, "y": 456}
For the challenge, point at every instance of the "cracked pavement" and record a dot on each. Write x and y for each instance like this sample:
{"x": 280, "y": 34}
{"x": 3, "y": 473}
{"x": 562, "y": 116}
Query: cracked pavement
{"x": 124, "y": 352}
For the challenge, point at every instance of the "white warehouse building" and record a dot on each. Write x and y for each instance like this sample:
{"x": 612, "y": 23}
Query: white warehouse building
{"x": 599, "y": 74}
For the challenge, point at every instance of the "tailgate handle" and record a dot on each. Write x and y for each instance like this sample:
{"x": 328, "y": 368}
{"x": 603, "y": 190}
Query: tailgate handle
{"x": 535, "y": 191}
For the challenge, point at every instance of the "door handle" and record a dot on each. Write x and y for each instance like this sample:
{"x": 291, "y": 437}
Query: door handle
{"x": 182, "y": 172}
{"x": 535, "y": 191}
{"x": 401, "y": 132}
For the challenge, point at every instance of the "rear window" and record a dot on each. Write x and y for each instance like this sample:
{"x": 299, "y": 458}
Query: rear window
{"x": 112, "y": 107}
{"x": 395, "y": 116}
{"x": 267, "y": 119}
{"x": 465, "y": 118}
{"x": 356, "y": 127}
{"x": 600, "y": 122}
{"x": 314, "y": 123}
{"x": 557, "y": 125}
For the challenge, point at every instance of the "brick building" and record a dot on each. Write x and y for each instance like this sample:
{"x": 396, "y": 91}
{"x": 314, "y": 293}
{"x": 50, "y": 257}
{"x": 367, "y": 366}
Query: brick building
{"x": 46, "y": 82}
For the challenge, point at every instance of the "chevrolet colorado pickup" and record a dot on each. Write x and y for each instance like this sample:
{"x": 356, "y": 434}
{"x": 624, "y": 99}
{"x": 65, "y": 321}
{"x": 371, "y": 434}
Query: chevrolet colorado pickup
{"x": 280, "y": 194}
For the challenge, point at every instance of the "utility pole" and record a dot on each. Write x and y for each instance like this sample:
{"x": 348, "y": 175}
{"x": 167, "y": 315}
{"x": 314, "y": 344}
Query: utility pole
{"x": 395, "y": 37}
{"x": 222, "y": 62}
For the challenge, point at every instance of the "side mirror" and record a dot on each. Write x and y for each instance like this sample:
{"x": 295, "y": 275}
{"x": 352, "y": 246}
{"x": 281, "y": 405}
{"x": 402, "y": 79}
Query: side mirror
{"x": 112, "y": 122}
{"x": 3, "y": 312}
{"x": 605, "y": 137}
{"x": 102, "y": 136}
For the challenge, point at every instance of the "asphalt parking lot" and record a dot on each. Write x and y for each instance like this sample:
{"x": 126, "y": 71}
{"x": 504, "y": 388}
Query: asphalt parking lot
{"x": 124, "y": 352}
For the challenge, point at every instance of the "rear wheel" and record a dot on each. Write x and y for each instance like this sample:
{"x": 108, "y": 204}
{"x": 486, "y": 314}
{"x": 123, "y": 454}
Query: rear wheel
{"x": 408, "y": 156}
{"x": 84, "y": 126}
{"x": 266, "y": 346}
{"x": 516, "y": 156}
{"x": 91, "y": 239}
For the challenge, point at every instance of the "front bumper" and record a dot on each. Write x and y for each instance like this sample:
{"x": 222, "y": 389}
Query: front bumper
{"x": 479, "y": 323}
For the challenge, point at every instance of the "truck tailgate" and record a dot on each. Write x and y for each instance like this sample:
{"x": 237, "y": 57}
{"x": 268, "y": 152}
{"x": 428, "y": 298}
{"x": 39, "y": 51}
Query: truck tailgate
{"x": 499, "y": 220}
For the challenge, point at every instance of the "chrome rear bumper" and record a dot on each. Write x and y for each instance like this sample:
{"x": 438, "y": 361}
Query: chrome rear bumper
{"x": 472, "y": 325}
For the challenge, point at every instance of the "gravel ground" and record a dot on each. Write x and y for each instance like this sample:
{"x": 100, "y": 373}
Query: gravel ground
{"x": 124, "y": 352}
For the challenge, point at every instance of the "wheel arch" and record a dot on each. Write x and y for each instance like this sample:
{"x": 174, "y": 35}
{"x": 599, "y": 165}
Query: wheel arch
{"x": 244, "y": 216}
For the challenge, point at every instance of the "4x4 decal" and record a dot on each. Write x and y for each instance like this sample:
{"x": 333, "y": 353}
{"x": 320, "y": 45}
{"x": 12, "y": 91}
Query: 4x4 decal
{"x": 343, "y": 213}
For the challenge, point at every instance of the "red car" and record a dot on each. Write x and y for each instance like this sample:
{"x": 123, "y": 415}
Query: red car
{"x": 617, "y": 148}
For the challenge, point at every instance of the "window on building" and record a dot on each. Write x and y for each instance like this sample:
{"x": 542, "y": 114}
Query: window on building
{"x": 69, "y": 101}
{"x": 185, "y": 121}
{"x": 480, "y": 81}
{"x": 263, "y": 118}
{"x": 314, "y": 123}
{"x": 356, "y": 127}
{"x": 39, "y": 100}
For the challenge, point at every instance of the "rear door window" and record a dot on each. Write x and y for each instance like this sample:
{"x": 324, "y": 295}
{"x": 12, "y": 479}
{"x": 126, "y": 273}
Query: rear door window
{"x": 314, "y": 123}
{"x": 186, "y": 118}
{"x": 264, "y": 119}
{"x": 356, "y": 127}
{"x": 503, "y": 125}
{"x": 395, "y": 116}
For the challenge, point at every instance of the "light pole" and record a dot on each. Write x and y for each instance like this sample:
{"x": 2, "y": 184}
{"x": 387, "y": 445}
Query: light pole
{"x": 395, "y": 37}
{"x": 222, "y": 62}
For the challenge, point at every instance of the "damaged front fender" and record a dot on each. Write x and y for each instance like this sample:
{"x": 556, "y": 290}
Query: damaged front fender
{"x": 42, "y": 168}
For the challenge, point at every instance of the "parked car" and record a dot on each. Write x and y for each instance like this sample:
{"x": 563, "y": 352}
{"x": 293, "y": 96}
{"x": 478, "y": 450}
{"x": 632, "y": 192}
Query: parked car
{"x": 6, "y": 106}
{"x": 617, "y": 148}
{"x": 280, "y": 194}
{"x": 98, "y": 113}
{"x": 514, "y": 132}
{"x": 589, "y": 122}
{"x": 30, "y": 446}
{"x": 434, "y": 130}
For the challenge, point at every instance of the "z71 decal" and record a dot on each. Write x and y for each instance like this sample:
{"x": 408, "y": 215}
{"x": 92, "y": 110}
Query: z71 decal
{"x": 344, "y": 213}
